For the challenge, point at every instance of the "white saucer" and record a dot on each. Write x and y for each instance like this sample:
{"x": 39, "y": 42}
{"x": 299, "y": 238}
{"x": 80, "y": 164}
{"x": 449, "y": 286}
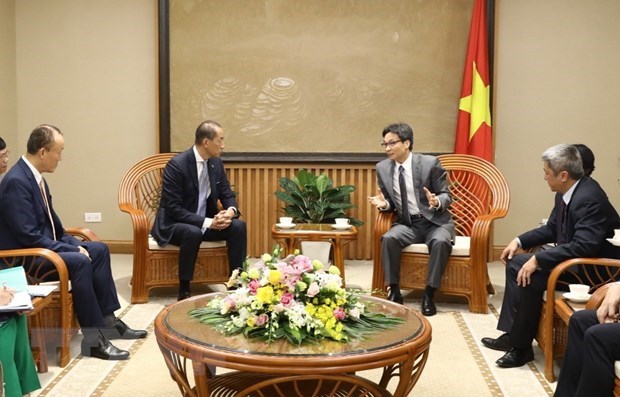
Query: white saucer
{"x": 285, "y": 225}
{"x": 576, "y": 299}
{"x": 341, "y": 227}
{"x": 614, "y": 242}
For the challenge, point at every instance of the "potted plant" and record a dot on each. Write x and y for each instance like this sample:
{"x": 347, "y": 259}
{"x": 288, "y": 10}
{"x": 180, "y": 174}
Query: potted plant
{"x": 311, "y": 198}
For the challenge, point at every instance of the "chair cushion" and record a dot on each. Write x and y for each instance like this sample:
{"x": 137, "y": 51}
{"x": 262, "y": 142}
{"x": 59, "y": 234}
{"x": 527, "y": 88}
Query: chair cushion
{"x": 617, "y": 369}
{"x": 153, "y": 246}
{"x": 460, "y": 247}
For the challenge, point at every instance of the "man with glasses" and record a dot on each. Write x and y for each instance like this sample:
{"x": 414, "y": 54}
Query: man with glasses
{"x": 4, "y": 159}
{"x": 414, "y": 185}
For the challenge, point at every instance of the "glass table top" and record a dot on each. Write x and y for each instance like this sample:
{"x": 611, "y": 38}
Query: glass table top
{"x": 180, "y": 323}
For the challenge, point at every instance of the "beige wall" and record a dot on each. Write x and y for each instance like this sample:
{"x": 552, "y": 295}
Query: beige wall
{"x": 90, "y": 68}
{"x": 557, "y": 82}
{"x": 8, "y": 88}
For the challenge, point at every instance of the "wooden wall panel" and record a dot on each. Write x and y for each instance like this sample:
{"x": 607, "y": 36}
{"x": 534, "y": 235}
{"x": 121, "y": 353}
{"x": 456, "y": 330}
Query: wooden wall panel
{"x": 257, "y": 182}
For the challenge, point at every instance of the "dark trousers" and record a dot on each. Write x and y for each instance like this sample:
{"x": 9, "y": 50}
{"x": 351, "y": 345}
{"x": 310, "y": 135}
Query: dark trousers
{"x": 399, "y": 236}
{"x": 92, "y": 284}
{"x": 521, "y": 306}
{"x": 188, "y": 238}
{"x": 588, "y": 366}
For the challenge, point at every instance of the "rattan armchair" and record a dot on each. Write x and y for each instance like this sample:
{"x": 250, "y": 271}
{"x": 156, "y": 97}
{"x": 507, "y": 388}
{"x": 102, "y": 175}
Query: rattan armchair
{"x": 57, "y": 319}
{"x": 552, "y": 333}
{"x": 139, "y": 194}
{"x": 480, "y": 195}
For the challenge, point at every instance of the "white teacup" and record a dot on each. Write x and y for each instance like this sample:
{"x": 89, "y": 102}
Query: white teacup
{"x": 286, "y": 220}
{"x": 342, "y": 221}
{"x": 616, "y": 234}
{"x": 579, "y": 290}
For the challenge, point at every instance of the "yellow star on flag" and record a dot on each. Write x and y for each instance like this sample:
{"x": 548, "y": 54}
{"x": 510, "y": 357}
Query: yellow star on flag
{"x": 477, "y": 104}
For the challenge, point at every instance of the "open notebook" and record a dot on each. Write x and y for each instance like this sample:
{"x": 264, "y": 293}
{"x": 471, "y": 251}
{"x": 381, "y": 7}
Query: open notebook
{"x": 15, "y": 278}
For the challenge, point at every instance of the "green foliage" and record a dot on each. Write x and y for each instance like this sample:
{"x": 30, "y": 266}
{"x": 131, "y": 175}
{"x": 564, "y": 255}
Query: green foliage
{"x": 312, "y": 198}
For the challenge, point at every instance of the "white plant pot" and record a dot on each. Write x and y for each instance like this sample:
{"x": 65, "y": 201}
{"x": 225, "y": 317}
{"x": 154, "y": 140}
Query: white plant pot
{"x": 317, "y": 250}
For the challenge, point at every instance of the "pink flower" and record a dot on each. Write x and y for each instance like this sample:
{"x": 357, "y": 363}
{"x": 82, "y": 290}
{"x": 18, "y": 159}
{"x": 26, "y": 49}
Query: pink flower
{"x": 253, "y": 286}
{"x": 287, "y": 298}
{"x": 262, "y": 320}
{"x": 339, "y": 313}
{"x": 313, "y": 289}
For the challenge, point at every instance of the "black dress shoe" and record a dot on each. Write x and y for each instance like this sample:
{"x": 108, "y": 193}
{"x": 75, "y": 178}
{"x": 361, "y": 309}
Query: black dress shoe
{"x": 122, "y": 331}
{"x": 103, "y": 349}
{"x": 395, "y": 296}
{"x": 516, "y": 358}
{"x": 428, "y": 306}
{"x": 502, "y": 343}
{"x": 183, "y": 296}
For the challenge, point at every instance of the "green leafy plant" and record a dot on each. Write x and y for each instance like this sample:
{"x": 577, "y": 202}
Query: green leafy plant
{"x": 311, "y": 198}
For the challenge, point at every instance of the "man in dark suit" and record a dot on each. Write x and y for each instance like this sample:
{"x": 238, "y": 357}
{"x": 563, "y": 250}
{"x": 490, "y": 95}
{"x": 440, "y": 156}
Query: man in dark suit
{"x": 188, "y": 212}
{"x": 593, "y": 348}
{"x": 420, "y": 181}
{"x": 579, "y": 224}
{"x": 28, "y": 220}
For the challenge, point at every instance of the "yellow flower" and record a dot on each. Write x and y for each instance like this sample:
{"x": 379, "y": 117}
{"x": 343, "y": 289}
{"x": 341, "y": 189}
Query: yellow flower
{"x": 266, "y": 257}
{"x": 334, "y": 270}
{"x": 251, "y": 321}
{"x": 264, "y": 294}
{"x": 317, "y": 265}
{"x": 274, "y": 277}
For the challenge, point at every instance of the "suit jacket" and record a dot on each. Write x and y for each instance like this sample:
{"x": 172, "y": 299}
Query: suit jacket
{"x": 24, "y": 222}
{"x": 179, "y": 196}
{"x": 427, "y": 172}
{"x": 590, "y": 219}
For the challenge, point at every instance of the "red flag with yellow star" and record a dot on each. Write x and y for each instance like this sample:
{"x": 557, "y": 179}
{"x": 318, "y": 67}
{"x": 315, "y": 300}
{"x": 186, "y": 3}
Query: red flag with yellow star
{"x": 473, "y": 128}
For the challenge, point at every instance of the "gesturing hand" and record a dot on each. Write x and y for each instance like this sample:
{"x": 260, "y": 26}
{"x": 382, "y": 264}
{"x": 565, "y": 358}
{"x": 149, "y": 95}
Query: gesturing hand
{"x": 433, "y": 201}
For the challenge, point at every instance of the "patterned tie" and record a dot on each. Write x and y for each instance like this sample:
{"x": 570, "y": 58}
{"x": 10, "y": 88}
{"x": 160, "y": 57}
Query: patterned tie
{"x": 404, "y": 202}
{"x": 204, "y": 189}
{"x": 561, "y": 223}
{"x": 47, "y": 206}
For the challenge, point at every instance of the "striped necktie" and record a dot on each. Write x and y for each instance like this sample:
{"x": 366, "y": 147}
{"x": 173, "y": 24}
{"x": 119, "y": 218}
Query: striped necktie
{"x": 204, "y": 189}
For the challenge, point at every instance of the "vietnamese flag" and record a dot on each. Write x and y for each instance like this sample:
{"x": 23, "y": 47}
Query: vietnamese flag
{"x": 473, "y": 128}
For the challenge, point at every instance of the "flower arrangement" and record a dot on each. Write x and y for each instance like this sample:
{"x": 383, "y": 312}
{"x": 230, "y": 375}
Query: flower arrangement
{"x": 294, "y": 299}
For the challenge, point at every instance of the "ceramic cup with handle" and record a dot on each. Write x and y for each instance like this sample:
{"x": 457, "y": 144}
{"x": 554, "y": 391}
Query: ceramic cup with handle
{"x": 286, "y": 220}
{"x": 579, "y": 290}
{"x": 342, "y": 221}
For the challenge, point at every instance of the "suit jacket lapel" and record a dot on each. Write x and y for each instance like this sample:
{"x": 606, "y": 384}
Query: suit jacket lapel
{"x": 33, "y": 183}
{"x": 416, "y": 170}
{"x": 193, "y": 169}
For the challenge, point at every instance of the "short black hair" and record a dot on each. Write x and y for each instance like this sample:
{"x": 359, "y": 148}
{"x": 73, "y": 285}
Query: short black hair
{"x": 403, "y": 130}
{"x": 206, "y": 129}
{"x": 587, "y": 158}
{"x": 2, "y": 144}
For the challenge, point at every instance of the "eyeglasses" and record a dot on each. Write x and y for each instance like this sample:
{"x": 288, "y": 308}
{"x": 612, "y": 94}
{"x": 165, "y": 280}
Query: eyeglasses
{"x": 390, "y": 144}
{"x": 4, "y": 156}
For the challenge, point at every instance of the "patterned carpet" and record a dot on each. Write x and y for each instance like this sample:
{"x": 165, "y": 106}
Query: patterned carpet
{"x": 457, "y": 364}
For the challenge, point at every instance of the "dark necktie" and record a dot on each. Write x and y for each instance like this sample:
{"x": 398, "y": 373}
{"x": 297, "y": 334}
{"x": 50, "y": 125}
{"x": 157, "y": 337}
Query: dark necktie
{"x": 204, "y": 189}
{"x": 47, "y": 207}
{"x": 561, "y": 223}
{"x": 403, "y": 196}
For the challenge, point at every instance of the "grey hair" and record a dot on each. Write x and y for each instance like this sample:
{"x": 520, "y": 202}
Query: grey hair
{"x": 564, "y": 157}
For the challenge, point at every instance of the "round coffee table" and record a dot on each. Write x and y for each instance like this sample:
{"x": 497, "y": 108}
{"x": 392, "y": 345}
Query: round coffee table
{"x": 327, "y": 366}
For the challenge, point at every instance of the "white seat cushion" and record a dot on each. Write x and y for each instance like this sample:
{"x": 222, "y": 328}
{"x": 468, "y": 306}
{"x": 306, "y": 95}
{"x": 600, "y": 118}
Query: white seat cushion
{"x": 153, "y": 246}
{"x": 460, "y": 247}
{"x": 617, "y": 369}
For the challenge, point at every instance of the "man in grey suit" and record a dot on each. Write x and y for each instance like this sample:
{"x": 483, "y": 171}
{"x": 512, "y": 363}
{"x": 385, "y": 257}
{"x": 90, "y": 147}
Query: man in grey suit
{"x": 420, "y": 181}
